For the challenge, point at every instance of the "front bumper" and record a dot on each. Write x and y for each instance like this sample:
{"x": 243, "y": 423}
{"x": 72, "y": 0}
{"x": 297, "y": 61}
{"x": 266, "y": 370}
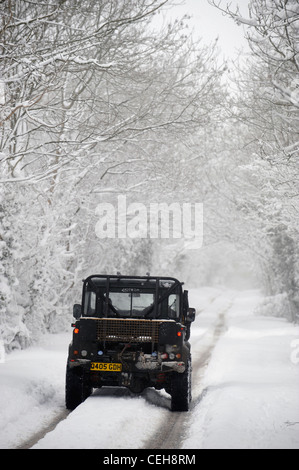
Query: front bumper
{"x": 165, "y": 366}
{"x": 176, "y": 366}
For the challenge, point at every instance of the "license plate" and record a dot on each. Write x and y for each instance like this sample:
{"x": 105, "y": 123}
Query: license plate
{"x": 106, "y": 367}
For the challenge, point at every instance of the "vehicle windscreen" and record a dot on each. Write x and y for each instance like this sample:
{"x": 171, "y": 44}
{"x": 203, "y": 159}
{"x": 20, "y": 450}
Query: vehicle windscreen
{"x": 131, "y": 302}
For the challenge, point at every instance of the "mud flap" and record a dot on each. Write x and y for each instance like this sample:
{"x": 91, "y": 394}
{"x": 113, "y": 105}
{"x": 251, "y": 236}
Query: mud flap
{"x": 181, "y": 389}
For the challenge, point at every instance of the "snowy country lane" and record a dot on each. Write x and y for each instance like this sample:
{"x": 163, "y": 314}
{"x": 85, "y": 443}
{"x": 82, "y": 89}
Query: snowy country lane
{"x": 245, "y": 390}
{"x": 139, "y": 420}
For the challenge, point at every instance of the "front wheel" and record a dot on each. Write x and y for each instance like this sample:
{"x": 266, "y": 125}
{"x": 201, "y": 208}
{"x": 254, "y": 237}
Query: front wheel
{"x": 76, "y": 390}
{"x": 181, "y": 389}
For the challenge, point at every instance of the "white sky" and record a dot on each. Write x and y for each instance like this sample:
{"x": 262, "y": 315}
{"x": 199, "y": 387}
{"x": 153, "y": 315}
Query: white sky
{"x": 209, "y": 23}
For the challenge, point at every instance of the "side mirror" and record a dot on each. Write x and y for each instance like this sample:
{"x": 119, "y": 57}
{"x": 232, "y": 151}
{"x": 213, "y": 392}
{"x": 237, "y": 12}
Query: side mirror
{"x": 185, "y": 302}
{"x": 191, "y": 315}
{"x": 77, "y": 311}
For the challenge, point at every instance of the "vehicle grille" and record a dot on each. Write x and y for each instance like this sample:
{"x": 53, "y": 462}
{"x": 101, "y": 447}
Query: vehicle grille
{"x": 131, "y": 331}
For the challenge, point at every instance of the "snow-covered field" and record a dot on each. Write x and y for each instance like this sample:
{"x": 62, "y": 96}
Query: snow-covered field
{"x": 247, "y": 396}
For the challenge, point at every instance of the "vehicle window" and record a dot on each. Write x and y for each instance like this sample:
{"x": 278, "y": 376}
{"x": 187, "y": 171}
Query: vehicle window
{"x": 140, "y": 302}
{"x": 173, "y": 306}
{"x": 121, "y": 302}
{"x": 131, "y": 303}
{"x": 90, "y": 303}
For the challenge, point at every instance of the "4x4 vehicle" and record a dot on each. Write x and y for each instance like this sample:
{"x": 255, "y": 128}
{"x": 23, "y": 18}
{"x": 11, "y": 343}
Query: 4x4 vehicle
{"x": 131, "y": 332}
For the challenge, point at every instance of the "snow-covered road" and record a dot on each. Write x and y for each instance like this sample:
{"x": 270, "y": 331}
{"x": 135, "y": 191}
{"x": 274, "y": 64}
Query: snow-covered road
{"x": 245, "y": 390}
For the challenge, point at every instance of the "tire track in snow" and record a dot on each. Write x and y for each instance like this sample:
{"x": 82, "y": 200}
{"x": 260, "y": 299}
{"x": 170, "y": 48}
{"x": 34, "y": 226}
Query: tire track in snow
{"x": 171, "y": 434}
{"x": 43, "y": 432}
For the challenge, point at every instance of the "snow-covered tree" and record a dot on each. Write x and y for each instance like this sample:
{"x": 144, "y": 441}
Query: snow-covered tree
{"x": 94, "y": 101}
{"x": 267, "y": 104}
{"x": 13, "y": 331}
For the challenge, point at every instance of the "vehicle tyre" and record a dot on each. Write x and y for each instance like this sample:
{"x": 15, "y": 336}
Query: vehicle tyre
{"x": 76, "y": 390}
{"x": 181, "y": 389}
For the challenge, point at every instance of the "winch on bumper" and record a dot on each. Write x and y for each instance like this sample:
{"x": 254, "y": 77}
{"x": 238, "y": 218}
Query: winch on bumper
{"x": 147, "y": 362}
{"x": 144, "y": 364}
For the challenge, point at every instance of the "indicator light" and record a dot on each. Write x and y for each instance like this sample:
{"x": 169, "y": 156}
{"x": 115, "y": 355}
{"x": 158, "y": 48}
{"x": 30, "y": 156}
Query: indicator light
{"x": 164, "y": 356}
{"x": 76, "y": 331}
{"x": 179, "y": 333}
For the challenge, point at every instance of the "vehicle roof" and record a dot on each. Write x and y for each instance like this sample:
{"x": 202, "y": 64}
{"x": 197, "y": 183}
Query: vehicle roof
{"x": 101, "y": 279}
